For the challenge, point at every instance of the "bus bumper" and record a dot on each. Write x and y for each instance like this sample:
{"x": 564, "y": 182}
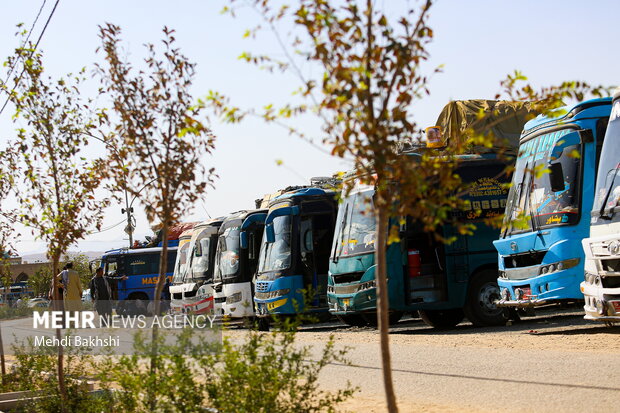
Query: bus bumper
{"x": 601, "y": 304}
{"x": 280, "y": 296}
{"x": 343, "y": 304}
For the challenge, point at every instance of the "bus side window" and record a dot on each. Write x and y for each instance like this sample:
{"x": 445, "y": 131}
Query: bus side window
{"x": 111, "y": 266}
{"x": 141, "y": 264}
{"x": 172, "y": 256}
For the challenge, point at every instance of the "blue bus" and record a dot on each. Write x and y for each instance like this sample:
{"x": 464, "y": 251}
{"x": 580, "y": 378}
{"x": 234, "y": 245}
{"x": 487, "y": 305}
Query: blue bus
{"x": 541, "y": 260}
{"x": 133, "y": 273}
{"x": 294, "y": 253}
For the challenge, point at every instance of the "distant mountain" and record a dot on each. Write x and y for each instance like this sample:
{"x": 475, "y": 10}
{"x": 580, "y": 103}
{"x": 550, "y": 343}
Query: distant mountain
{"x": 32, "y": 258}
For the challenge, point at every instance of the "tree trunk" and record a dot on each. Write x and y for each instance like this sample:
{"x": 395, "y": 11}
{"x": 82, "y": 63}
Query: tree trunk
{"x": 57, "y": 306}
{"x": 383, "y": 305}
{"x": 2, "y": 360}
{"x": 163, "y": 264}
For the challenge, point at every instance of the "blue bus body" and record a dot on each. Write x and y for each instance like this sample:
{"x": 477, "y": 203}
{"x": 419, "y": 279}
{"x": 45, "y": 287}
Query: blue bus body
{"x": 141, "y": 266}
{"x": 294, "y": 253}
{"x": 541, "y": 260}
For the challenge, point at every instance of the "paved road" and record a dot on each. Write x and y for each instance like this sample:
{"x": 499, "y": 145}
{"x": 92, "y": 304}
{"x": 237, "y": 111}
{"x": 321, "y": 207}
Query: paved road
{"x": 550, "y": 363}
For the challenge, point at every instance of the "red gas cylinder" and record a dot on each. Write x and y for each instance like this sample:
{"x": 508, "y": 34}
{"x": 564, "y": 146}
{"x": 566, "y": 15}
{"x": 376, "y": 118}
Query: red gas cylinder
{"x": 413, "y": 261}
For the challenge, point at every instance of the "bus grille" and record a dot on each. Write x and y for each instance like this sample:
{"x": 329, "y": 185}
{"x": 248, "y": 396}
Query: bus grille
{"x": 262, "y": 286}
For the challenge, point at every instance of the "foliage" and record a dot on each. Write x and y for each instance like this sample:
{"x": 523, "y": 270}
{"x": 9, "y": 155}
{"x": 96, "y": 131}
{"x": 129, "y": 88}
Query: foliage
{"x": 34, "y": 369}
{"x": 40, "y": 281}
{"x": 160, "y": 138}
{"x": 264, "y": 373}
{"x": 56, "y": 181}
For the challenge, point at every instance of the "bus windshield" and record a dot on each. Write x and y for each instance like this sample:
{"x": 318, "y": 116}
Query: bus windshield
{"x": 200, "y": 256}
{"x": 355, "y": 225}
{"x": 607, "y": 193}
{"x": 227, "y": 254}
{"x": 532, "y": 204}
{"x": 180, "y": 268}
{"x": 276, "y": 255}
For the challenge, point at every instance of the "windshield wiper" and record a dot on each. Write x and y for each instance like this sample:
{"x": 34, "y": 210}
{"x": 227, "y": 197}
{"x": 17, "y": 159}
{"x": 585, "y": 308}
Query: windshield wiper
{"x": 342, "y": 224}
{"x": 601, "y": 212}
{"x": 533, "y": 218}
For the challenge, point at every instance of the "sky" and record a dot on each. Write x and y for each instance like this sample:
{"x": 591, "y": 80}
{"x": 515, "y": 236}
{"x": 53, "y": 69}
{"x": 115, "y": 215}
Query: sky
{"x": 478, "y": 42}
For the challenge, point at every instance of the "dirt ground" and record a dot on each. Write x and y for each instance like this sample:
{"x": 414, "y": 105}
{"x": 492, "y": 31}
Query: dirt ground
{"x": 555, "y": 361}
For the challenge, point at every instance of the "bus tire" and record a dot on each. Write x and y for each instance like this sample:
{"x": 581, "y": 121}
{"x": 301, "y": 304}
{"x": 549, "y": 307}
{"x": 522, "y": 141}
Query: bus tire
{"x": 442, "y": 318}
{"x": 353, "y": 320}
{"x": 480, "y": 308}
{"x": 263, "y": 324}
{"x": 136, "y": 304}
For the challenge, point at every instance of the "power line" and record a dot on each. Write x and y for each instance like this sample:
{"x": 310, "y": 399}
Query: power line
{"x": 35, "y": 47}
{"x": 106, "y": 229}
{"x": 8, "y": 76}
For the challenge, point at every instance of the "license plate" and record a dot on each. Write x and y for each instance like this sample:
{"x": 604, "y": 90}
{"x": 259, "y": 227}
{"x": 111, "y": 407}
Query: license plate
{"x": 527, "y": 293}
{"x": 616, "y": 305}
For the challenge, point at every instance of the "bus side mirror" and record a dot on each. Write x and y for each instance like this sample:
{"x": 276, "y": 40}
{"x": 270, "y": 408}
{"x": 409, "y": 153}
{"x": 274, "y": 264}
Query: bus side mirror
{"x": 270, "y": 234}
{"x": 308, "y": 241}
{"x": 556, "y": 177}
{"x": 251, "y": 246}
{"x": 243, "y": 240}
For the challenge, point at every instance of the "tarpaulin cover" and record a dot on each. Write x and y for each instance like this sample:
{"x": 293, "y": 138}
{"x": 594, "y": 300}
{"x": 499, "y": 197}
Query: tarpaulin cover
{"x": 505, "y": 119}
{"x": 175, "y": 231}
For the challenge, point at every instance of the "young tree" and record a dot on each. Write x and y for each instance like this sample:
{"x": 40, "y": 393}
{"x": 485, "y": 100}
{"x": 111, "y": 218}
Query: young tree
{"x": 7, "y": 238}
{"x": 54, "y": 181}
{"x": 371, "y": 76}
{"x": 159, "y": 132}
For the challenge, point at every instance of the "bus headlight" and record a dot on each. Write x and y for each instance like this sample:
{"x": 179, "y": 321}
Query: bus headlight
{"x": 234, "y": 298}
{"x": 558, "y": 266}
{"x": 278, "y": 293}
{"x": 366, "y": 285}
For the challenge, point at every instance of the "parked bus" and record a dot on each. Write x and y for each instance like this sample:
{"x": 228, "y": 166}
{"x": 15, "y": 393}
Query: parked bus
{"x": 236, "y": 260}
{"x": 541, "y": 258}
{"x": 181, "y": 265}
{"x": 442, "y": 282}
{"x": 133, "y": 275}
{"x": 193, "y": 292}
{"x": 294, "y": 254}
{"x": 601, "y": 285}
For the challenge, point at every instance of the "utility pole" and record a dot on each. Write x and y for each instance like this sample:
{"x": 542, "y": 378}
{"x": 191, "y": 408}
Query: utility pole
{"x": 129, "y": 211}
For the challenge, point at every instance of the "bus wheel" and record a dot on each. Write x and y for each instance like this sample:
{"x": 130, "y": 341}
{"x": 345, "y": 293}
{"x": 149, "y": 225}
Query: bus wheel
{"x": 353, "y": 320}
{"x": 393, "y": 318}
{"x": 480, "y": 306}
{"x": 263, "y": 324}
{"x": 136, "y": 304}
{"x": 442, "y": 318}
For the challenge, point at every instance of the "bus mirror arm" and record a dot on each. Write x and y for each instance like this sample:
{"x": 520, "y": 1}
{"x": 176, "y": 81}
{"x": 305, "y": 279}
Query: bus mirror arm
{"x": 270, "y": 234}
{"x": 438, "y": 260}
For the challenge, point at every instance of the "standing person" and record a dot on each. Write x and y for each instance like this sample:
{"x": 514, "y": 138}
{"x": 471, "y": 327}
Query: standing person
{"x": 73, "y": 290}
{"x": 101, "y": 294}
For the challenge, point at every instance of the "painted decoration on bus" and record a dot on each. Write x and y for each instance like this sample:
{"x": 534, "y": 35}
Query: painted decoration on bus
{"x": 487, "y": 199}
